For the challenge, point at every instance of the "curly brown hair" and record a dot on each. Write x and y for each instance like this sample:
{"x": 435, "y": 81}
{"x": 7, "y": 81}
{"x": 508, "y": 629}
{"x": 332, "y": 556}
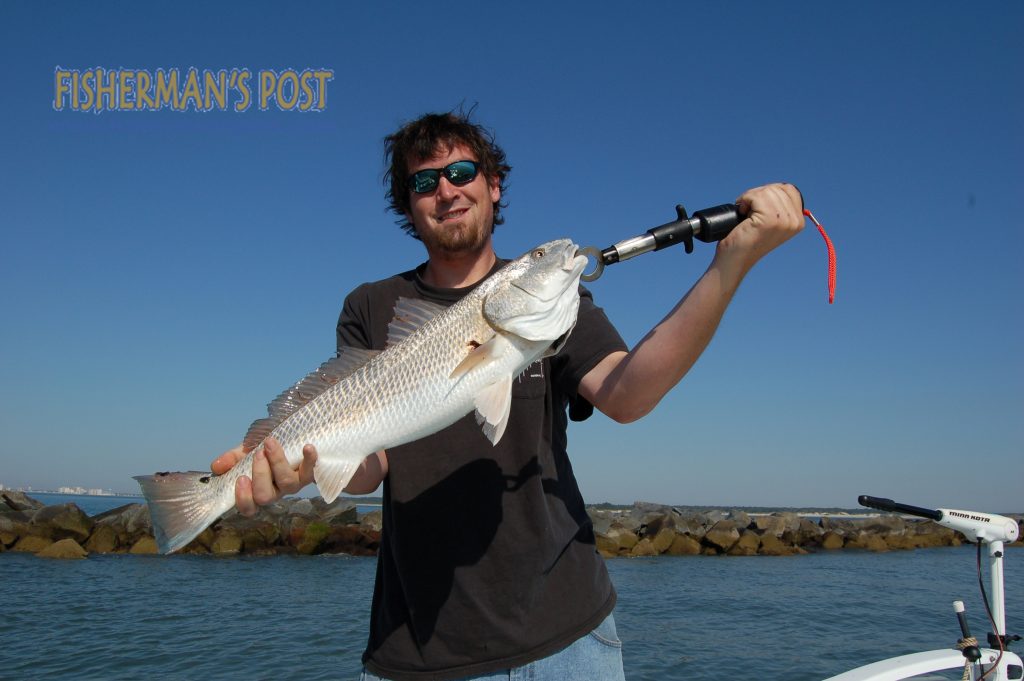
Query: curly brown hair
{"x": 421, "y": 139}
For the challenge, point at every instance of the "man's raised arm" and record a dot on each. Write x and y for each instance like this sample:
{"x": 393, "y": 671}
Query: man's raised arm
{"x": 626, "y": 386}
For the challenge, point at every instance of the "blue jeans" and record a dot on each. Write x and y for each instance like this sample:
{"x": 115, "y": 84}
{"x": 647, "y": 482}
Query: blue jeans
{"x": 594, "y": 657}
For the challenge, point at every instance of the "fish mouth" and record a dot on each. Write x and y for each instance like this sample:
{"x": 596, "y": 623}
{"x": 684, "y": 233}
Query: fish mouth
{"x": 572, "y": 263}
{"x": 575, "y": 261}
{"x": 569, "y": 253}
{"x": 585, "y": 252}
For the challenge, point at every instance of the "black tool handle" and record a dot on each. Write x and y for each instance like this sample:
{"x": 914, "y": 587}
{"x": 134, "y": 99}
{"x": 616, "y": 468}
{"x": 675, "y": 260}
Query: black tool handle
{"x": 708, "y": 225}
{"x": 679, "y": 231}
{"x": 716, "y": 223}
{"x": 896, "y": 507}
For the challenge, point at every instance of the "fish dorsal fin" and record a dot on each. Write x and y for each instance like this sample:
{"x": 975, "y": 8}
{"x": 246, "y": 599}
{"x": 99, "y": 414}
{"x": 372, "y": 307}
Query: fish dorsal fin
{"x": 410, "y": 315}
{"x": 305, "y": 391}
{"x": 493, "y": 405}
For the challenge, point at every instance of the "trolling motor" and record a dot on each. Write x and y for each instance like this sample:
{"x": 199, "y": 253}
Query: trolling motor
{"x": 985, "y": 527}
{"x": 994, "y": 530}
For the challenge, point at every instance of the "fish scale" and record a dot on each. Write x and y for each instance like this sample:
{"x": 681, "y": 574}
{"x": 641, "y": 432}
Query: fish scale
{"x": 433, "y": 373}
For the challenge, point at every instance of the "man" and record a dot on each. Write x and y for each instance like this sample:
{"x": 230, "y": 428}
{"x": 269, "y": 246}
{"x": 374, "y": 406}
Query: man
{"x": 487, "y": 567}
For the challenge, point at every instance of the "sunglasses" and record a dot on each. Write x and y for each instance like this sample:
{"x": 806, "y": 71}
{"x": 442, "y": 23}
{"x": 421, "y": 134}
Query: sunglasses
{"x": 458, "y": 173}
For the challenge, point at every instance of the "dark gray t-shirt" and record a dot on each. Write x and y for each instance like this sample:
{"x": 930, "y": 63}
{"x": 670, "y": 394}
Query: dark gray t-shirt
{"x": 487, "y": 559}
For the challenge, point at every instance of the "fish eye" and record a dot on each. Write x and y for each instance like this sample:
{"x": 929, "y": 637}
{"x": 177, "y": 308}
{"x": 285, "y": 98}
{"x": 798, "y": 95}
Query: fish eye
{"x": 539, "y": 253}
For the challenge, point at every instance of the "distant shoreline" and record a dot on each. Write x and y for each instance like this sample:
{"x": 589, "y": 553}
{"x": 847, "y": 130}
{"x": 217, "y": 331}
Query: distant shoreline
{"x": 126, "y": 495}
{"x": 361, "y": 501}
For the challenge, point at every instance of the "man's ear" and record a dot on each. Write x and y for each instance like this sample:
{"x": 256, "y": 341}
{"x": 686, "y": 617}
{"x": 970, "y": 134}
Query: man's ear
{"x": 494, "y": 185}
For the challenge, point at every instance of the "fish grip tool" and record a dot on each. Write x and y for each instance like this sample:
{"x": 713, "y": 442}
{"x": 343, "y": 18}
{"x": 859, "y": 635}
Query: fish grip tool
{"x": 708, "y": 225}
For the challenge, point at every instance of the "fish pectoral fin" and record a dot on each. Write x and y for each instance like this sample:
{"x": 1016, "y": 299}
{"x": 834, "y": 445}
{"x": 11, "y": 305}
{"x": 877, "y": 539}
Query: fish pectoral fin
{"x": 483, "y": 352}
{"x": 331, "y": 476}
{"x": 493, "y": 404}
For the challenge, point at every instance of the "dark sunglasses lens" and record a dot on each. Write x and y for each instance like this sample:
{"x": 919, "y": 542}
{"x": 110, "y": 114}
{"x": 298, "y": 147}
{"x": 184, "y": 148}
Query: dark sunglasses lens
{"x": 425, "y": 181}
{"x": 460, "y": 172}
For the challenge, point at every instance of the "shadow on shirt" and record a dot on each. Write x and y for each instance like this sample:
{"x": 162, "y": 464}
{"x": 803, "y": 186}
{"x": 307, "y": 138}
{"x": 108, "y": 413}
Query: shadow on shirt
{"x": 450, "y": 525}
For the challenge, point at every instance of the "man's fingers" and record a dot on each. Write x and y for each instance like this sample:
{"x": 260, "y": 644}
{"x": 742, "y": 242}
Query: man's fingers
{"x": 743, "y": 204}
{"x": 793, "y": 189}
{"x": 243, "y": 497}
{"x": 779, "y": 207}
{"x": 774, "y": 204}
{"x": 307, "y": 465}
{"x": 263, "y": 489}
{"x": 285, "y": 477}
{"x": 223, "y": 463}
{"x": 794, "y": 206}
{"x": 272, "y": 475}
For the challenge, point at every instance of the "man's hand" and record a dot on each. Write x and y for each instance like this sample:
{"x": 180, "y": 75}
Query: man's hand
{"x": 626, "y": 386}
{"x": 272, "y": 475}
{"x": 774, "y": 215}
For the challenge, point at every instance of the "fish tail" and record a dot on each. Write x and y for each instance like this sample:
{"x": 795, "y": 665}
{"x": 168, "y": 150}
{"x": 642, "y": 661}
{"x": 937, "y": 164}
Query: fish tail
{"x": 181, "y": 505}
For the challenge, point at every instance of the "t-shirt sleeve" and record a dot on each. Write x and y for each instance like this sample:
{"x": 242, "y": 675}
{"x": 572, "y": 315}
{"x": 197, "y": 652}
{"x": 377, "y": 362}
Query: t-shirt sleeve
{"x": 354, "y": 321}
{"x": 592, "y": 339}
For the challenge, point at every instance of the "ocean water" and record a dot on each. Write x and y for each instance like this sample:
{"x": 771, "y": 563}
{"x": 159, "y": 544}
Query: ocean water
{"x": 794, "y": 618}
{"x": 92, "y": 505}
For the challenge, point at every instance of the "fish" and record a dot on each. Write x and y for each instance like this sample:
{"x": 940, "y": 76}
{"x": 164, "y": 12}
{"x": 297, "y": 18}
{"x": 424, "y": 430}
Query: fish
{"x": 440, "y": 364}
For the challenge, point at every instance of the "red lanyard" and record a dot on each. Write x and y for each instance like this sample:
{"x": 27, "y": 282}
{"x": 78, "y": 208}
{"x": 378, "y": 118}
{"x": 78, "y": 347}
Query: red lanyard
{"x": 831, "y": 256}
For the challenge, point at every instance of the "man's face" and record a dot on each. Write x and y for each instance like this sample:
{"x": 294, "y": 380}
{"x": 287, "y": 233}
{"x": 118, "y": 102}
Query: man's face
{"x": 454, "y": 219}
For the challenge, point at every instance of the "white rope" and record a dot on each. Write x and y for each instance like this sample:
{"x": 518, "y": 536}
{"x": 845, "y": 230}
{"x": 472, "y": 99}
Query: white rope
{"x": 963, "y": 644}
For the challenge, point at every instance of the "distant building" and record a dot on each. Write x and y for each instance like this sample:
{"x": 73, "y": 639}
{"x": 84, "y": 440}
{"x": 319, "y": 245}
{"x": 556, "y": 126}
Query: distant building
{"x": 82, "y": 491}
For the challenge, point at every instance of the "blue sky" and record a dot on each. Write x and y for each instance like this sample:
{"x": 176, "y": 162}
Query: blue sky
{"x": 165, "y": 274}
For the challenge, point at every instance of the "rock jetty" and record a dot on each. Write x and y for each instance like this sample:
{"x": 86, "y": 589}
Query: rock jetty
{"x": 310, "y": 526}
{"x": 652, "y": 529}
{"x": 290, "y": 526}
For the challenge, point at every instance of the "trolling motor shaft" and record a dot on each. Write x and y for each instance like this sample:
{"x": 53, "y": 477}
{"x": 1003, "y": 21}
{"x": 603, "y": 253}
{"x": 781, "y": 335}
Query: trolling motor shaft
{"x": 708, "y": 225}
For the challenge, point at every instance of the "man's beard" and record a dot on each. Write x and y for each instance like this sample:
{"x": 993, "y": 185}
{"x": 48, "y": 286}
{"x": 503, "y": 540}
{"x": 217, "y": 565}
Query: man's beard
{"x": 461, "y": 238}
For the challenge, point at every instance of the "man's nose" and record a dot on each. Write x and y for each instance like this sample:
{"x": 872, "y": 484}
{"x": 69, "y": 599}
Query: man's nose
{"x": 445, "y": 189}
